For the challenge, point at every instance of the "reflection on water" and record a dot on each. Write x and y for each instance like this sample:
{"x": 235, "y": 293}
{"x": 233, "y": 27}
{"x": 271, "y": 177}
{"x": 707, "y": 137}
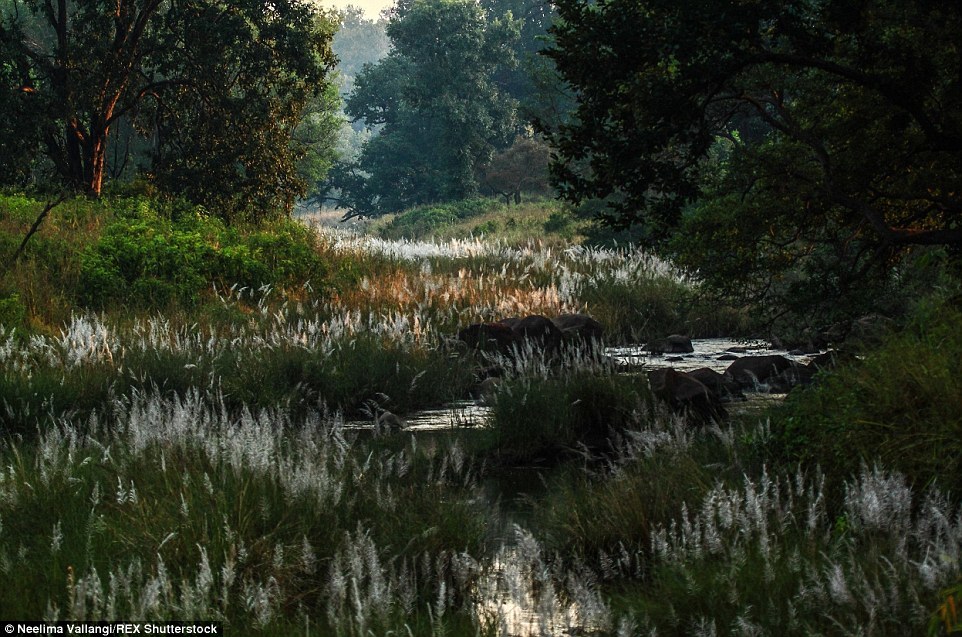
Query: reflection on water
{"x": 460, "y": 413}
{"x": 520, "y": 594}
{"x": 707, "y": 354}
{"x": 521, "y": 597}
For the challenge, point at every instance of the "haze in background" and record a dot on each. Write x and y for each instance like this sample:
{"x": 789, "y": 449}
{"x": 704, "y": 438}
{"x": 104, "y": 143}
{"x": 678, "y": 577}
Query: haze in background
{"x": 372, "y": 8}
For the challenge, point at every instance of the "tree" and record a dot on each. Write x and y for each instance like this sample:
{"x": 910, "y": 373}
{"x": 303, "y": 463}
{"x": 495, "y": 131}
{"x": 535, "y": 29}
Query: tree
{"x": 358, "y": 42}
{"x": 231, "y": 132}
{"x": 439, "y": 113}
{"x": 521, "y": 168}
{"x": 198, "y": 75}
{"x": 541, "y": 95}
{"x": 805, "y": 141}
{"x": 82, "y": 71}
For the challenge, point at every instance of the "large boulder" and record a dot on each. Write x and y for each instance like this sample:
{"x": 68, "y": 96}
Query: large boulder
{"x": 674, "y": 344}
{"x": 538, "y": 332}
{"x": 753, "y": 371}
{"x": 489, "y": 337}
{"x": 684, "y": 393}
{"x": 510, "y": 321}
{"x": 721, "y": 385}
{"x": 791, "y": 377}
{"x": 580, "y": 330}
{"x": 388, "y": 422}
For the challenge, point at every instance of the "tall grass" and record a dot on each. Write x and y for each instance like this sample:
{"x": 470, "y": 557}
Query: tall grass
{"x": 191, "y": 460}
{"x": 547, "y": 219}
{"x": 178, "y": 510}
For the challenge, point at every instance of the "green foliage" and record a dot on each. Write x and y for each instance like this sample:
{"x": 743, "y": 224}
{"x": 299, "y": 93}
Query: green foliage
{"x": 521, "y": 168}
{"x": 534, "y": 83}
{"x": 538, "y": 419}
{"x": 901, "y": 404}
{"x": 146, "y": 259}
{"x": 256, "y": 118}
{"x": 438, "y": 108}
{"x": 234, "y": 99}
{"x": 13, "y": 313}
{"x": 792, "y": 150}
{"x": 425, "y": 221}
{"x": 544, "y": 221}
{"x": 561, "y": 222}
{"x": 358, "y": 42}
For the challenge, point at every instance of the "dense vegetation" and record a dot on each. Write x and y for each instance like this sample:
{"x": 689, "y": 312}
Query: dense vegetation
{"x": 203, "y": 398}
{"x": 795, "y": 151}
{"x": 224, "y": 103}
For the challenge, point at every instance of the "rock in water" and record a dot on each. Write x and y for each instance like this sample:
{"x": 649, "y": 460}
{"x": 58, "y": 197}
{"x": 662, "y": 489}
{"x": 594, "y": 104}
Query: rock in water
{"x": 674, "y": 344}
{"x": 752, "y": 371}
{"x": 539, "y": 332}
{"x": 686, "y": 394}
{"x": 489, "y": 337}
{"x": 580, "y": 330}
{"x": 390, "y": 422}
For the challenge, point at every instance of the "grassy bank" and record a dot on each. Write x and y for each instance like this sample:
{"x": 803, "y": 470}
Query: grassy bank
{"x": 545, "y": 219}
{"x": 175, "y": 446}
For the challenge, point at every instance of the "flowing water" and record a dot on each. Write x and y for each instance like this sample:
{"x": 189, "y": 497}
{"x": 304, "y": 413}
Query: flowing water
{"x": 518, "y": 593}
{"x": 708, "y": 353}
{"x": 715, "y": 353}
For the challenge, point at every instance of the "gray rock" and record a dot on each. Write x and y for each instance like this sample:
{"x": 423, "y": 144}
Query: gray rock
{"x": 580, "y": 330}
{"x": 539, "y": 332}
{"x": 674, "y": 344}
{"x": 790, "y": 378}
{"x": 685, "y": 394}
{"x": 752, "y": 371}
{"x": 390, "y": 422}
{"x": 489, "y": 337}
{"x": 723, "y": 386}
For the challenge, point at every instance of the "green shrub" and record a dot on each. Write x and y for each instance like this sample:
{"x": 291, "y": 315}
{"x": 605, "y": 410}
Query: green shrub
{"x": 13, "y": 313}
{"x": 145, "y": 259}
{"x": 560, "y": 222}
{"x": 901, "y": 405}
{"x": 427, "y": 220}
{"x": 544, "y": 418}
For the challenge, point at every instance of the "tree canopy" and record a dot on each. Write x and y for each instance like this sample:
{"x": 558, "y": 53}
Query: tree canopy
{"x": 219, "y": 87}
{"x": 823, "y": 137}
{"x": 433, "y": 99}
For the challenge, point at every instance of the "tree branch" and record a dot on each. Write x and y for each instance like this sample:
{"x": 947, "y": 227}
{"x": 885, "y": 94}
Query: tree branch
{"x": 33, "y": 230}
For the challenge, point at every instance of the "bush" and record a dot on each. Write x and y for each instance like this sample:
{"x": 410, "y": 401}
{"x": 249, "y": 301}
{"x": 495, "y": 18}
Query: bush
{"x": 426, "y": 220}
{"x": 545, "y": 418}
{"x": 146, "y": 259}
{"x": 13, "y": 313}
{"x": 561, "y": 222}
{"x": 901, "y": 405}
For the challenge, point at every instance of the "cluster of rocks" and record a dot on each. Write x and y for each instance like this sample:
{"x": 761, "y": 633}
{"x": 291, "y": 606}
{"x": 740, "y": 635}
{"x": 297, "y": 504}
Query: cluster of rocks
{"x": 535, "y": 333}
{"x": 703, "y": 392}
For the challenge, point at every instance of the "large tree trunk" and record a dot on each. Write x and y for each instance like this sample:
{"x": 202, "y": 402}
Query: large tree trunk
{"x": 86, "y": 157}
{"x": 82, "y": 157}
